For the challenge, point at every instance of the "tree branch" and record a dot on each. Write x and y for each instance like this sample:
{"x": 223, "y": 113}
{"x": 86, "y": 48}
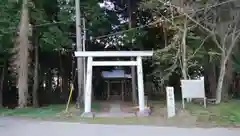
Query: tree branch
{"x": 204, "y": 40}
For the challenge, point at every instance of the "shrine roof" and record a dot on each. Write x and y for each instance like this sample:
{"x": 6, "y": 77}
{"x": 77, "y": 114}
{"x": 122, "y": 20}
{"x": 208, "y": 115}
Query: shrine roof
{"x": 115, "y": 74}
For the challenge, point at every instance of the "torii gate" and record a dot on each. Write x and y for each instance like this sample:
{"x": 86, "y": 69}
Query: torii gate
{"x": 90, "y": 63}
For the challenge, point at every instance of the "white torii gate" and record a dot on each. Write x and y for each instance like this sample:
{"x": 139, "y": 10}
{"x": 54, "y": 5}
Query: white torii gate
{"x": 90, "y": 63}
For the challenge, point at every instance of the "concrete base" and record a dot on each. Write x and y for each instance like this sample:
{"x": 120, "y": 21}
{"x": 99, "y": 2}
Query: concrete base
{"x": 88, "y": 115}
{"x": 144, "y": 113}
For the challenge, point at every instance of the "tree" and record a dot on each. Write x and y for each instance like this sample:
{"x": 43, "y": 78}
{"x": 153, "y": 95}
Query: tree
{"x": 224, "y": 26}
{"x": 9, "y": 17}
{"x": 132, "y": 21}
{"x": 216, "y": 19}
{"x": 21, "y": 59}
{"x": 182, "y": 48}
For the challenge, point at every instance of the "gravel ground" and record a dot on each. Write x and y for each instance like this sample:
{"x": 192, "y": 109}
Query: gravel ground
{"x": 25, "y": 127}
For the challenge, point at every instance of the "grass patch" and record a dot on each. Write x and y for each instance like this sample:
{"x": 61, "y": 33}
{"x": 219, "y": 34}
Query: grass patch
{"x": 50, "y": 110}
{"x": 56, "y": 113}
{"x": 121, "y": 120}
{"x": 222, "y": 114}
{"x": 47, "y": 111}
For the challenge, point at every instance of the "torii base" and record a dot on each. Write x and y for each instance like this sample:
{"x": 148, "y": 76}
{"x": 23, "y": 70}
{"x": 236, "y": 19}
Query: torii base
{"x": 144, "y": 113}
{"x": 88, "y": 115}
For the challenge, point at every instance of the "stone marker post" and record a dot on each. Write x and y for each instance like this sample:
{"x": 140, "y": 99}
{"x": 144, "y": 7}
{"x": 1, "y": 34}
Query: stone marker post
{"x": 170, "y": 102}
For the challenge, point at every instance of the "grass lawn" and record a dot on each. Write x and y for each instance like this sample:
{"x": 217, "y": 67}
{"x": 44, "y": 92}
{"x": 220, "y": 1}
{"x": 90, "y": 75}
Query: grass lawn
{"x": 43, "y": 112}
{"x": 222, "y": 114}
{"x": 195, "y": 114}
{"x": 33, "y": 112}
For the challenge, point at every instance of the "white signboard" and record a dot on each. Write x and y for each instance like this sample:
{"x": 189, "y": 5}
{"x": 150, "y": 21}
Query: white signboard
{"x": 193, "y": 89}
{"x": 170, "y": 102}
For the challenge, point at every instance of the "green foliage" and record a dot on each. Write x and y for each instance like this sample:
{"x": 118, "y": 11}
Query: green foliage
{"x": 200, "y": 47}
{"x": 8, "y": 24}
{"x": 99, "y": 21}
{"x": 52, "y": 35}
{"x": 59, "y": 36}
{"x": 236, "y": 62}
{"x": 168, "y": 60}
{"x": 54, "y": 39}
{"x": 165, "y": 64}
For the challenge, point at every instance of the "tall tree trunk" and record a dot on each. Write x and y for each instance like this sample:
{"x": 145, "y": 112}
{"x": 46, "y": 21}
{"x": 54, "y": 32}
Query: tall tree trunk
{"x": 238, "y": 85}
{"x": 80, "y": 64}
{"x": 65, "y": 90}
{"x": 225, "y": 55}
{"x": 165, "y": 34}
{"x": 49, "y": 89}
{"x": 23, "y": 56}
{"x": 36, "y": 69}
{"x": 58, "y": 80}
{"x": 212, "y": 79}
{"x": 184, "y": 46}
{"x": 227, "y": 82}
{"x": 131, "y": 6}
{"x": 1, "y": 84}
{"x": 64, "y": 79}
{"x": 221, "y": 79}
{"x": 60, "y": 71}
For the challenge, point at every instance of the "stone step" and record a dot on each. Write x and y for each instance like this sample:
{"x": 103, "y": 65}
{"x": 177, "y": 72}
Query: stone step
{"x": 115, "y": 108}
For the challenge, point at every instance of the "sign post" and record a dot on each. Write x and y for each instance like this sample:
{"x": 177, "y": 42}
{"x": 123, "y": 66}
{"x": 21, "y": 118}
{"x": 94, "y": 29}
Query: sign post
{"x": 170, "y": 102}
{"x": 193, "y": 89}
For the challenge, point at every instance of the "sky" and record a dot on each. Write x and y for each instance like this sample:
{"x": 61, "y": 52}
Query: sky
{"x": 107, "y": 4}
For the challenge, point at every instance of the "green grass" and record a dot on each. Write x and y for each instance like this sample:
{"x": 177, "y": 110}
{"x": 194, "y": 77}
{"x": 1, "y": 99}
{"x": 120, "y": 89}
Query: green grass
{"x": 33, "y": 112}
{"x": 121, "y": 120}
{"x": 222, "y": 114}
{"x": 55, "y": 112}
{"x": 48, "y": 111}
